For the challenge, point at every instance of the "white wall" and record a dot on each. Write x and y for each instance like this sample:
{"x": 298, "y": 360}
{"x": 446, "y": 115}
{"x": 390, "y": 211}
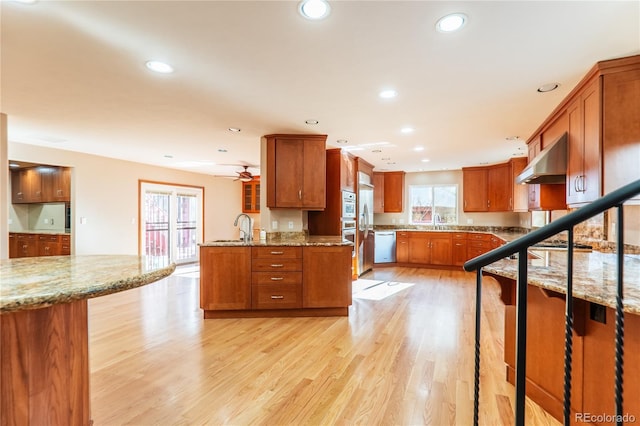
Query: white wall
{"x": 450, "y": 177}
{"x": 105, "y": 192}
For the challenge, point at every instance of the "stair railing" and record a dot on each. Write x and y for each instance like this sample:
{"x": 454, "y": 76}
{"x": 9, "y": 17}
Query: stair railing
{"x": 520, "y": 246}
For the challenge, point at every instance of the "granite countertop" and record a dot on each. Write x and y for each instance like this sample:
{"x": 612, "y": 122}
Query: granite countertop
{"x": 47, "y": 232}
{"x": 314, "y": 240}
{"x": 38, "y": 282}
{"x": 594, "y": 275}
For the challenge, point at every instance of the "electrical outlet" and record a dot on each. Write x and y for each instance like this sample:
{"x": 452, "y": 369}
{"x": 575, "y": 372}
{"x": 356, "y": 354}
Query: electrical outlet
{"x": 401, "y": 221}
{"x": 393, "y": 221}
{"x": 274, "y": 225}
{"x": 83, "y": 221}
{"x": 469, "y": 221}
{"x": 290, "y": 224}
{"x": 46, "y": 221}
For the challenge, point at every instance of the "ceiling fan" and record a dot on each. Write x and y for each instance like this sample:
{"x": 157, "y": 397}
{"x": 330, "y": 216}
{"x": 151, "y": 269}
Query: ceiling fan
{"x": 245, "y": 175}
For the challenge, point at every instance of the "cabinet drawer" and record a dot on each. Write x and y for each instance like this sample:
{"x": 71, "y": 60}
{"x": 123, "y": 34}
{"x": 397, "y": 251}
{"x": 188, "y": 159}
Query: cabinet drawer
{"x": 402, "y": 234}
{"x": 277, "y": 264}
{"x": 459, "y": 235}
{"x": 475, "y": 251}
{"x": 277, "y": 252}
{"x": 276, "y": 296}
{"x": 258, "y": 278}
{"x": 478, "y": 237}
{"x": 65, "y": 249}
{"x": 26, "y": 237}
{"x": 65, "y": 238}
{"x": 50, "y": 238}
{"x": 479, "y": 244}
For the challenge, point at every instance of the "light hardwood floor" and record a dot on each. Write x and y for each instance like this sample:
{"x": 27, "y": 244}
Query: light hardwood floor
{"x": 403, "y": 360}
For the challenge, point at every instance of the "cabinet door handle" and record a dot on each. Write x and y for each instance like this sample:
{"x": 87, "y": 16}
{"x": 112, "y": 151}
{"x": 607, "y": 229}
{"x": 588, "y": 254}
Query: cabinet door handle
{"x": 488, "y": 203}
{"x": 582, "y": 185}
{"x": 575, "y": 184}
{"x": 277, "y": 278}
{"x": 277, "y": 265}
{"x": 277, "y": 252}
{"x": 300, "y": 194}
{"x": 277, "y": 296}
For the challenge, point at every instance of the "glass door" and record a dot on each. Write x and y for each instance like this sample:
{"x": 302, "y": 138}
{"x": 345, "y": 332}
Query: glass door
{"x": 171, "y": 223}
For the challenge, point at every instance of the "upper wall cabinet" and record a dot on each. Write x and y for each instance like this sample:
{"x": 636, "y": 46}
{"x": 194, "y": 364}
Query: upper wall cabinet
{"x": 251, "y": 196}
{"x": 493, "y": 188}
{"x": 296, "y": 168}
{"x": 388, "y": 192}
{"x": 600, "y": 116}
{"x": 42, "y": 184}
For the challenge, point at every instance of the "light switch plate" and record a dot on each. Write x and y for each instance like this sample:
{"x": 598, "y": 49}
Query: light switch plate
{"x": 290, "y": 225}
{"x": 274, "y": 224}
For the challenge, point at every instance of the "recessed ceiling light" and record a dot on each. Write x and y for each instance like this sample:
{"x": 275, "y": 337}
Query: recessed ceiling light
{"x": 452, "y": 22}
{"x": 341, "y": 141}
{"x": 548, "y": 87}
{"x": 158, "y": 66}
{"x": 391, "y": 162}
{"x": 314, "y": 9}
{"x": 312, "y": 122}
{"x": 388, "y": 94}
{"x": 418, "y": 148}
{"x": 385, "y": 158}
{"x": 376, "y": 150}
{"x": 168, "y": 156}
{"x": 512, "y": 138}
{"x": 234, "y": 129}
{"x": 407, "y": 130}
{"x": 425, "y": 160}
{"x": 222, "y": 150}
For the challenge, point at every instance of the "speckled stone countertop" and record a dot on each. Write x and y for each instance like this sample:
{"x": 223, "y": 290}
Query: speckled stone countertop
{"x": 47, "y": 232}
{"x": 314, "y": 240}
{"x": 38, "y": 282}
{"x": 594, "y": 275}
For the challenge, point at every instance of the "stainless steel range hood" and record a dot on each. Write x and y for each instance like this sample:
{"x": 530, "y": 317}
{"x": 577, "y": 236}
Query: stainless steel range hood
{"x": 550, "y": 166}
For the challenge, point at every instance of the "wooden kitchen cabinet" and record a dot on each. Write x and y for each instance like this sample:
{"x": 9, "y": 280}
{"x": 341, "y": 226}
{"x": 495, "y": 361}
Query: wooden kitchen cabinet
{"x": 276, "y": 277}
{"x": 347, "y": 171}
{"x": 493, "y": 189}
{"x": 459, "y": 248}
{"x": 583, "y": 151}
{"x": 339, "y": 176}
{"x": 251, "y": 196}
{"x": 296, "y": 171}
{"x": 474, "y": 189}
{"x": 267, "y": 281}
{"x": 26, "y": 186}
{"x": 225, "y": 278}
{"x": 621, "y": 129}
{"x": 378, "y": 192}
{"x": 402, "y": 247}
{"x": 42, "y": 184}
{"x": 323, "y": 265}
{"x": 56, "y": 184}
{"x": 27, "y": 245}
{"x": 393, "y": 192}
{"x": 430, "y": 248}
{"x": 478, "y": 244}
{"x": 13, "y": 246}
{"x": 49, "y": 245}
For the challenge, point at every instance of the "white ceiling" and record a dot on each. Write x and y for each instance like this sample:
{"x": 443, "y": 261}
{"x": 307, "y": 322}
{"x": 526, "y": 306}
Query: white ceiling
{"x": 73, "y": 76}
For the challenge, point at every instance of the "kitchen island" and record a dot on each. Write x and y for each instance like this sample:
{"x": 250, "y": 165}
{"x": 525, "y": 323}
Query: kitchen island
{"x": 44, "y": 365}
{"x": 594, "y": 292}
{"x": 308, "y": 276}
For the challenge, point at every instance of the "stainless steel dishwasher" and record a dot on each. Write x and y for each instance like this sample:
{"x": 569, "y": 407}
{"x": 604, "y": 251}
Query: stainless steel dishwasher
{"x": 385, "y": 247}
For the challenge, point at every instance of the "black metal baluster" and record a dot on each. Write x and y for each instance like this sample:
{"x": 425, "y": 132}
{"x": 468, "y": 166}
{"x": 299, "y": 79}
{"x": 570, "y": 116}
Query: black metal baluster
{"x": 476, "y": 379}
{"x": 521, "y": 337}
{"x": 619, "y": 319}
{"x": 568, "y": 332}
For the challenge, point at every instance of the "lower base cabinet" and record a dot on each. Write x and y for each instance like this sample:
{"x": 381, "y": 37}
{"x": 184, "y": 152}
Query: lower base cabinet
{"x": 36, "y": 245}
{"x": 270, "y": 281}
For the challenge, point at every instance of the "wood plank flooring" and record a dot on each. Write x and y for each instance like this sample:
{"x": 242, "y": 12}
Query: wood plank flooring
{"x": 403, "y": 360}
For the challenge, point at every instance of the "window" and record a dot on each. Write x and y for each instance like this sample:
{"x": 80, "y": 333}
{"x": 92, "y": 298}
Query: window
{"x": 433, "y": 204}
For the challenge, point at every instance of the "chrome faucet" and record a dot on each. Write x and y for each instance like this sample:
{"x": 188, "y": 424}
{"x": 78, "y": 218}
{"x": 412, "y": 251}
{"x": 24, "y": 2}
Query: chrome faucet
{"x": 245, "y": 235}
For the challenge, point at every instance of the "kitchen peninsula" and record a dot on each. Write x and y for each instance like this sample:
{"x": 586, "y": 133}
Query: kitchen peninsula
{"x": 303, "y": 276}
{"x": 594, "y": 292}
{"x": 44, "y": 365}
